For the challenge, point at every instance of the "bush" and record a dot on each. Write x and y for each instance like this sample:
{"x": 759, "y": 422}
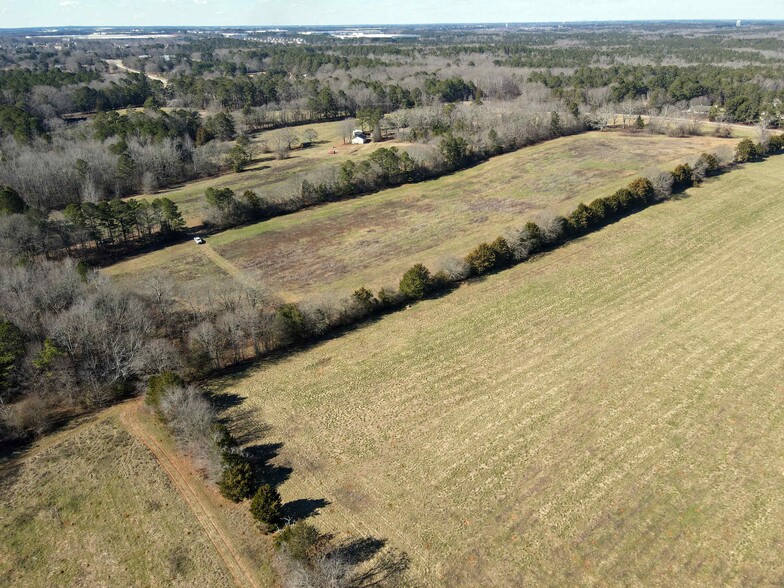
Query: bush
{"x": 266, "y": 506}
{"x": 682, "y": 177}
{"x": 503, "y": 253}
{"x": 293, "y": 321}
{"x": 452, "y": 269}
{"x": 223, "y": 438}
{"x": 481, "y": 259}
{"x": 581, "y": 219}
{"x": 416, "y": 282}
{"x": 189, "y": 415}
{"x": 299, "y": 540}
{"x": 12, "y": 349}
{"x": 711, "y": 163}
{"x": 643, "y": 189}
{"x": 237, "y": 477}
{"x": 661, "y": 182}
{"x": 388, "y": 298}
{"x": 364, "y": 300}
{"x": 746, "y": 151}
{"x": 706, "y": 165}
{"x": 157, "y": 385}
{"x": 11, "y": 202}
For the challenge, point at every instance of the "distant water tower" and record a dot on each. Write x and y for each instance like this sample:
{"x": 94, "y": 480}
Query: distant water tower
{"x": 737, "y": 24}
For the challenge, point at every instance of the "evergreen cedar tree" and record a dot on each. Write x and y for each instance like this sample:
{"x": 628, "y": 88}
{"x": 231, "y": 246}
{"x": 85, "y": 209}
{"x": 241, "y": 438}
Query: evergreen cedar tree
{"x": 11, "y": 202}
{"x": 416, "y": 282}
{"x": 748, "y": 151}
{"x": 266, "y": 506}
{"x": 299, "y": 539}
{"x": 487, "y": 257}
{"x": 236, "y": 480}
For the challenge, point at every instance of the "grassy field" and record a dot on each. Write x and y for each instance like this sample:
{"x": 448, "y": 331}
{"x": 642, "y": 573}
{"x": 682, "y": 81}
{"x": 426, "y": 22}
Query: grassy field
{"x": 372, "y": 240}
{"x": 266, "y": 171}
{"x": 96, "y": 509}
{"x": 608, "y": 414}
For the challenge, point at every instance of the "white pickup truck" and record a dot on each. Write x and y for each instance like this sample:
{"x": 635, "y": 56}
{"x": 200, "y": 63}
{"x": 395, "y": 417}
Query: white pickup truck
{"x": 199, "y": 240}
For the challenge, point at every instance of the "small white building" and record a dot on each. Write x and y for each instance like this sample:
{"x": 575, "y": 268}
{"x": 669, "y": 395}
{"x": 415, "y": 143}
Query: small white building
{"x": 358, "y": 137}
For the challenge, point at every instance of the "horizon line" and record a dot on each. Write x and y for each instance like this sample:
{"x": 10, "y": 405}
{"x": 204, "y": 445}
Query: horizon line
{"x": 404, "y": 24}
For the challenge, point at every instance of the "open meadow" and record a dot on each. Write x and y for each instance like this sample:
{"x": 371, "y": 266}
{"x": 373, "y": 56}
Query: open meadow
{"x": 606, "y": 414}
{"x": 93, "y": 507}
{"x": 372, "y": 240}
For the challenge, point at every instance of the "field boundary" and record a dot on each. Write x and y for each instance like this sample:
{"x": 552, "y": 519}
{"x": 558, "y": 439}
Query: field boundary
{"x": 190, "y": 488}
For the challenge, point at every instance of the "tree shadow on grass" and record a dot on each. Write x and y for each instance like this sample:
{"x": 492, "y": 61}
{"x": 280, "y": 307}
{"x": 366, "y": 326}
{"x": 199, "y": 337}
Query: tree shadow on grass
{"x": 264, "y": 471}
{"x": 303, "y": 508}
{"x": 372, "y": 564}
{"x": 362, "y": 549}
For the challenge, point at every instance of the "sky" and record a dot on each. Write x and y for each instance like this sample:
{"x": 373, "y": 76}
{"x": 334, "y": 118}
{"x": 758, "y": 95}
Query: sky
{"x": 38, "y": 13}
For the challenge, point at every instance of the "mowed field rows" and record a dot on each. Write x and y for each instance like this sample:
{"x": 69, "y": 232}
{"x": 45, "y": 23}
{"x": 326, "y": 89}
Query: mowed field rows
{"x": 372, "y": 240}
{"x": 96, "y": 509}
{"x": 608, "y": 414}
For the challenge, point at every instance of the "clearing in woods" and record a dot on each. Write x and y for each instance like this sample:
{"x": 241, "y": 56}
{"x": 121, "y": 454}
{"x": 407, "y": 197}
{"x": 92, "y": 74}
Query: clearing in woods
{"x": 372, "y": 240}
{"x": 609, "y": 413}
{"x": 112, "y": 503}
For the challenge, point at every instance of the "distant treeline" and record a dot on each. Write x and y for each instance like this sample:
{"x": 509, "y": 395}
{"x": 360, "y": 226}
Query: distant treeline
{"x": 736, "y": 91}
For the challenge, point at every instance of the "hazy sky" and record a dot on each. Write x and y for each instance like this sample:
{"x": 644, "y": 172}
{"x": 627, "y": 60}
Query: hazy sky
{"x": 26, "y": 13}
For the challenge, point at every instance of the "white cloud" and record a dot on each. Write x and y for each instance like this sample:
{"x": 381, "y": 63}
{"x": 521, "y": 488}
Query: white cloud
{"x": 67, "y": 3}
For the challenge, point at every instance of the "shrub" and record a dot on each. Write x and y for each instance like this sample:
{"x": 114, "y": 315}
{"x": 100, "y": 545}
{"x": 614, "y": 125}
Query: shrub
{"x": 11, "y": 202}
{"x": 188, "y": 413}
{"x": 237, "y": 477}
{"x": 364, "y": 300}
{"x": 746, "y": 151}
{"x": 157, "y": 385}
{"x": 481, "y": 259}
{"x": 528, "y": 240}
{"x": 643, "y": 189}
{"x": 711, "y": 162}
{"x": 639, "y": 123}
{"x": 452, "y": 268}
{"x": 416, "y": 282}
{"x": 580, "y": 220}
{"x": 706, "y": 165}
{"x": 266, "y": 506}
{"x": 299, "y": 540}
{"x": 12, "y": 349}
{"x": 553, "y": 228}
{"x": 600, "y": 210}
{"x": 503, "y": 253}
{"x": 294, "y": 322}
{"x": 387, "y": 298}
{"x": 661, "y": 182}
{"x": 682, "y": 177}
{"x": 776, "y": 143}
{"x": 223, "y": 438}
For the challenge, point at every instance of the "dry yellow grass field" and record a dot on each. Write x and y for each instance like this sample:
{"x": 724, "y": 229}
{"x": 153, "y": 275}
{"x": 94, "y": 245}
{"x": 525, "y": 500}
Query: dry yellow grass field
{"x": 372, "y": 240}
{"x": 93, "y": 507}
{"x": 608, "y": 414}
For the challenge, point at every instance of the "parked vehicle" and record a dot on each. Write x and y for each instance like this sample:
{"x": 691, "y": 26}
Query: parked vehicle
{"x": 199, "y": 240}
{"x": 358, "y": 137}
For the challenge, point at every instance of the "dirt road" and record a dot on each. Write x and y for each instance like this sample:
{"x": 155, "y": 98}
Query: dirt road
{"x": 119, "y": 65}
{"x": 191, "y": 488}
